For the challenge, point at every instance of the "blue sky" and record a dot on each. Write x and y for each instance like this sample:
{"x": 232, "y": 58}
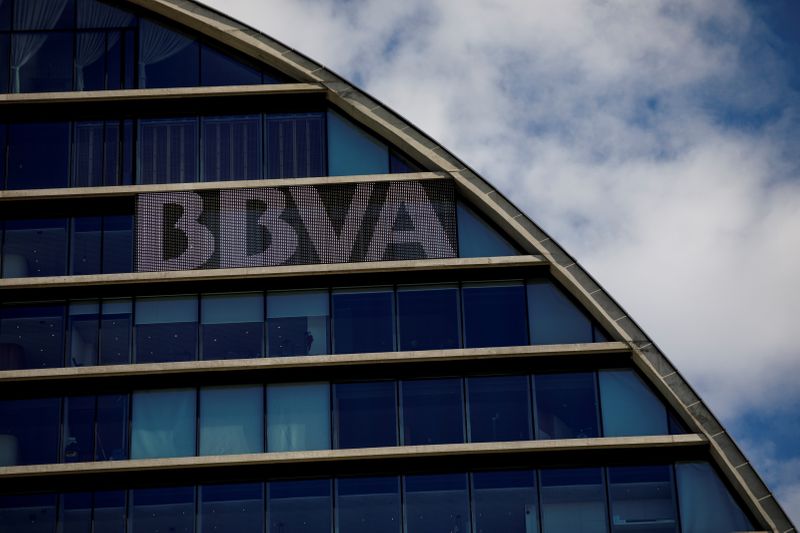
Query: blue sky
{"x": 657, "y": 141}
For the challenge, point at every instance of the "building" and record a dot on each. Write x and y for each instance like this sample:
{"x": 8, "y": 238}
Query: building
{"x": 239, "y": 294}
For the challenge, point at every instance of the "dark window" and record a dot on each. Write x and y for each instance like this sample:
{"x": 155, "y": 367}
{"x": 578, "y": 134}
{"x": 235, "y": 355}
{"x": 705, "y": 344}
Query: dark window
{"x": 436, "y": 503}
{"x": 117, "y": 244}
{"x": 494, "y": 315}
{"x": 295, "y": 145}
{"x": 109, "y": 512}
{"x": 428, "y": 318}
{"x": 31, "y": 513}
{"x": 365, "y": 414}
{"x": 35, "y": 248}
{"x": 167, "y": 58}
{"x": 400, "y": 165}
{"x": 566, "y": 406}
{"x": 231, "y": 148}
{"x": 27, "y": 143}
{"x": 352, "y": 150}
{"x": 299, "y": 506}
{"x": 235, "y": 508}
{"x": 168, "y": 150}
{"x": 111, "y": 437}
{"x": 298, "y": 323}
{"x": 433, "y": 411}
{"x": 478, "y": 238}
{"x": 363, "y": 321}
{"x": 629, "y": 407}
{"x": 163, "y": 509}
{"x": 84, "y": 325}
{"x": 166, "y": 329}
{"x": 642, "y": 497}
{"x": 5, "y": 15}
{"x": 78, "y": 442}
{"x": 499, "y": 408}
{"x": 31, "y": 336}
{"x": 231, "y": 420}
{"x": 96, "y": 160}
{"x": 5, "y": 50}
{"x": 220, "y": 69}
{"x": 505, "y": 501}
{"x": 29, "y": 431}
{"x": 554, "y": 318}
{"x": 115, "y": 332}
{"x": 233, "y": 325}
{"x": 41, "y": 62}
{"x": 573, "y": 500}
{"x": 86, "y": 245}
{"x": 368, "y": 505}
{"x": 76, "y": 513}
{"x": 43, "y": 14}
{"x": 3, "y": 138}
{"x": 96, "y": 14}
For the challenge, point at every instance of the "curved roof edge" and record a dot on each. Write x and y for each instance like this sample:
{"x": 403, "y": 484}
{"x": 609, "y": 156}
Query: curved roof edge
{"x": 370, "y": 112}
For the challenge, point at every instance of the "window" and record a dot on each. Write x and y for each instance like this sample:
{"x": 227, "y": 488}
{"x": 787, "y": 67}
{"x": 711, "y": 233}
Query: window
{"x": 642, "y": 498}
{"x": 41, "y": 62}
{"x": 85, "y": 245}
{"x": 363, "y": 320}
{"x": 232, "y": 148}
{"x": 163, "y": 423}
{"x": 27, "y": 169}
{"x": 436, "y": 503}
{"x": 109, "y": 511}
{"x": 298, "y": 417}
{"x": 220, "y": 69}
{"x": 98, "y": 159}
{"x": 554, "y": 318}
{"x": 29, "y": 431}
{"x": 505, "y": 501}
{"x": 162, "y": 509}
{"x": 76, "y": 512}
{"x": 78, "y": 441}
{"x": 84, "y": 326}
{"x": 706, "y": 504}
{"x": 365, "y": 414}
{"x": 233, "y": 326}
{"x": 115, "y": 331}
{"x": 299, "y": 506}
{"x": 35, "y": 248}
{"x": 433, "y": 411}
{"x": 167, "y": 58}
{"x": 31, "y": 336}
{"x": 117, "y": 244}
{"x": 238, "y": 508}
{"x": 111, "y": 441}
{"x": 231, "y": 420}
{"x": 494, "y": 315}
{"x": 166, "y": 329}
{"x": 629, "y": 407}
{"x": 368, "y": 505}
{"x": 30, "y": 513}
{"x": 298, "y": 323}
{"x": 566, "y": 406}
{"x": 353, "y": 151}
{"x": 478, "y": 238}
{"x": 499, "y": 408}
{"x": 168, "y": 150}
{"x": 428, "y": 318}
{"x": 573, "y": 500}
{"x": 295, "y": 145}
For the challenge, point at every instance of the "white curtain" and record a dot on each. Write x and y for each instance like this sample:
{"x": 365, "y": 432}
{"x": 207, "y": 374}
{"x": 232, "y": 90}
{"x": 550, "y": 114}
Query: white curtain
{"x": 157, "y": 44}
{"x": 298, "y": 417}
{"x": 92, "y": 45}
{"x": 231, "y": 420}
{"x": 40, "y": 15}
{"x": 163, "y": 423}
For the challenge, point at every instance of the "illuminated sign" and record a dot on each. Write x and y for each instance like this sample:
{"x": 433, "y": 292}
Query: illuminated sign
{"x": 307, "y": 224}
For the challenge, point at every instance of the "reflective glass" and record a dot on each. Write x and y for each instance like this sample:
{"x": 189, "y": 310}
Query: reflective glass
{"x": 78, "y": 442}
{"x": 166, "y": 329}
{"x": 117, "y": 244}
{"x": 96, "y": 14}
{"x": 85, "y": 245}
{"x": 111, "y": 437}
{"x": 35, "y": 248}
{"x": 163, "y": 423}
{"x": 368, "y": 505}
{"x": 295, "y": 145}
{"x": 31, "y": 513}
{"x": 232, "y": 508}
{"x": 168, "y": 150}
{"x": 109, "y": 512}
{"x": 5, "y": 50}
{"x": 43, "y": 14}
{"x": 353, "y": 151}
{"x": 96, "y": 154}
{"x": 27, "y": 169}
{"x": 84, "y": 325}
{"x": 573, "y": 500}
{"x": 553, "y": 317}
{"x": 167, "y": 58}
{"x": 566, "y": 406}
{"x": 3, "y": 137}
{"x": 231, "y": 420}
{"x": 217, "y": 68}
{"x": 76, "y": 513}
{"x": 5, "y": 15}
{"x": 29, "y": 431}
{"x": 365, "y": 414}
{"x": 299, "y": 506}
{"x": 478, "y": 238}
{"x": 433, "y": 411}
{"x": 629, "y": 407}
{"x": 494, "y": 315}
{"x": 505, "y": 502}
{"x": 298, "y": 323}
{"x": 705, "y": 503}
{"x": 31, "y": 336}
{"x": 363, "y": 321}
{"x": 164, "y": 509}
{"x": 400, "y": 165}
{"x": 90, "y": 59}
{"x": 233, "y": 325}
{"x": 428, "y": 318}
{"x": 115, "y": 331}
{"x": 499, "y": 408}
{"x": 231, "y": 148}
{"x": 436, "y": 503}
{"x": 298, "y": 417}
{"x": 642, "y": 499}
{"x": 41, "y": 62}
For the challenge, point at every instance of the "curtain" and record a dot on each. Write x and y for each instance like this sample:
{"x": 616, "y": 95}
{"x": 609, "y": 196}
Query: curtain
{"x": 231, "y": 420}
{"x": 92, "y": 45}
{"x": 157, "y": 44}
{"x": 298, "y": 417}
{"x": 163, "y": 424}
{"x": 42, "y": 15}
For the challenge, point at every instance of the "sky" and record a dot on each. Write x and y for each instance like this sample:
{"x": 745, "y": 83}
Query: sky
{"x": 657, "y": 141}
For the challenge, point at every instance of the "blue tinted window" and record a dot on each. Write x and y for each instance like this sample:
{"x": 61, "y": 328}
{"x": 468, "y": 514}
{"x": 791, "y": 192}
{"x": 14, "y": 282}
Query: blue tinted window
{"x": 85, "y": 245}
{"x": 5, "y": 50}
{"x": 299, "y": 506}
{"x": 231, "y": 420}
{"x": 494, "y": 315}
{"x": 3, "y": 135}
{"x": 436, "y": 503}
{"x": 566, "y": 406}
{"x": 78, "y": 442}
{"x": 29, "y": 431}
{"x": 400, "y": 165}
{"x": 233, "y": 325}
{"x": 629, "y": 407}
{"x": 96, "y": 157}
{"x": 76, "y": 513}
{"x": 642, "y": 497}
{"x": 298, "y": 417}
{"x": 164, "y": 509}
{"x": 368, "y": 505}
{"x": 573, "y": 500}
{"x": 553, "y": 317}
{"x": 168, "y": 150}
{"x": 96, "y": 14}
{"x": 35, "y": 248}
{"x": 117, "y": 244}
{"x": 428, "y": 318}
{"x": 43, "y": 14}
{"x": 499, "y": 408}
{"x": 31, "y": 336}
{"x": 163, "y": 423}
{"x": 166, "y": 329}
{"x": 235, "y": 508}
{"x": 298, "y": 323}
{"x": 220, "y": 69}
{"x": 27, "y": 169}
{"x": 353, "y": 151}
{"x": 109, "y": 512}
{"x": 505, "y": 501}
{"x": 478, "y": 238}
{"x": 231, "y": 148}
{"x": 433, "y": 411}
{"x": 365, "y": 414}
{"x": 295, "y": 145}
{"x": 41, "y": 62}
{"x": 167, "y": 58}
{"x": 115, "y": 331}
{"x": 111, "y": 438}
{"x": 31, "y": 513}
{"x": 705, "y": 503}
{"x": 363, "y": 321}
{"x": 5, "y": 15}
{"x": 84, "y": 323}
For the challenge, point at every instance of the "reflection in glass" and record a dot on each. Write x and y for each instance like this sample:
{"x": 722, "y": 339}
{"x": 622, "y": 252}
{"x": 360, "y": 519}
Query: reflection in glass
{"x": 298, "y": 323}
{"x": 368, "y": 505}
{"x": 164, "y": 509}
{"x": 629, "y": 407}
{"x": 111, "y": 440}
{"x": 233, "y": 325}
{"x": 231, "y": 147}
{"x": 35, "y": 248}
{"x": 166, "y": 329}
{"x": 84, "y": 324}
{"x": 553, "y": 317}
{"x": 433, "y": 411}
{"x": 428, "y": 318}
{"x": 31, "y": 336}
{"x": 299, "y": 506}
{"x": 78, "y": 442}
{"x": 365, "y": 414}
{"x": 85, "y": 245}
{"x": 363, "y": 320}
{"x": 231, "y": 420}
{"x": 436, "y": 503}
{"x": 566, "y": 406}
{"x": 505, "y": 502}
{"x": 29, "y": 431}
{"x": 163, "y": 423}
{"x": 499, "y": 408}
{"x": 353, "y": 151}
{"x": 642, "y": 499}
{"x": 298, "y": 417}
{"x": 706, "y": 504}
{"x": 573, "y": 500}
{"x": 478, "y": 238}
{"x": 31, "y": 513}
{"x": 494, "y": 315}
{"x": 115, "y": 331}
{"x": 27, "y": 169}
{"x": 232, "y": 508}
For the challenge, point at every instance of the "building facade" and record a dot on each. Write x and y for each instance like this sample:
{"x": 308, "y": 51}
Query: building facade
{"x": 240, "y": 295}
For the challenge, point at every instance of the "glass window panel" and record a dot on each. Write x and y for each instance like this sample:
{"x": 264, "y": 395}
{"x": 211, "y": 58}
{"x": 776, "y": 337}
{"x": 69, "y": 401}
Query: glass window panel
{"x": 295, "y": 145}
{"x": 433, "y": 411}
{"x": 428, "y": 318}
{"x": 298, "y": 323}
{"x": 41, "y": 62}
{"x": 231, "y": 148}
{"x": 400, "y": 165}
{"x": 109, "y": 512}
{"x": 29, "y": 431}
{"x": 705, "y": 503}
{"x": 363, "y": 321}
{"x": 166, "y": 58}
{"x": 85, "y": 245}
{"x": 436, "y": 503}
{"x": 499, "y": 408}
{"x": 3, "y": 141}
{"x": 163, "y": 509}
{"x": 115, "y": 61}
{"x": 88, "y": 164}
{"x": 218, "y": 68}
{"x": 31, "y": 513}
{"x": 163, "y": 423}
{"x": 96, "y": 14}
{"x": 78, "y": 442}
{"x": 365, "y": 414}
{"x": 90, "y": 59}
{"x": 231, "y": 420}
{"x": 5, "y": 50}
{"x": 233, "y": 325}
{"x": 35, "y": 248}
{"x": 117, "y": 244}
{"x": 128, "y": 140}
{"x": 629, "y": 407}
{"x": 299, "y": 506}
{"x": 573, "y": 500}
{"x": 115, "y": 332}
{"x": 166, "y": 329}
{"x": 566, "y": 406}
{"x": 76, "y": 513}
{"x": 232, "y": 508}
{"x": 5, "y": 15}
{"x": 298, "y": 417}
{"x": 368, "y": 505}
{"x": 494, "y": 315}
{"x": 505, "y": 502}
{"x": 111, "y": 437}
{"x": 43, "y": 14}
{"x": 31, "y": 336}
{"x": 478, "y": 238}
{"x": 168, "y": 150}
{"x": 642, "y": 499}
{"x": 27, "y": 169}
{"x": 553, "y": 317}
{"x": 84, "y": 325}
{"x": 352, "y": 151}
